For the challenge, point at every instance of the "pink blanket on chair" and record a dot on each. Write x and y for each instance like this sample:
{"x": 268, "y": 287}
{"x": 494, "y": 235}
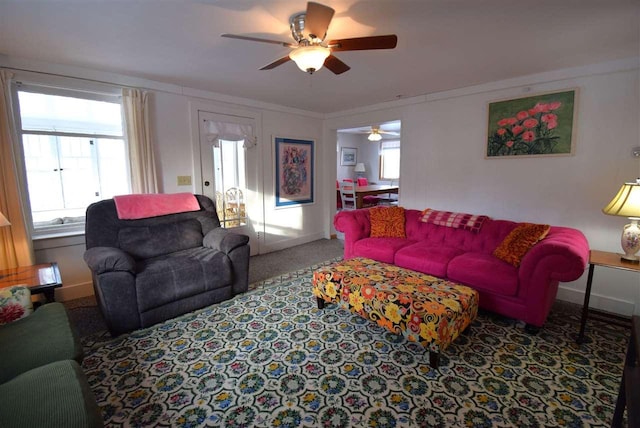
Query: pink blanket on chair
{"x": 131, "y": 207}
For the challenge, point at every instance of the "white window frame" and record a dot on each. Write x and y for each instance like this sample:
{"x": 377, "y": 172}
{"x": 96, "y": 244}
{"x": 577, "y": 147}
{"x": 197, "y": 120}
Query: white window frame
{"x": 69, "y": 229}
{"x": 388, "y": 145}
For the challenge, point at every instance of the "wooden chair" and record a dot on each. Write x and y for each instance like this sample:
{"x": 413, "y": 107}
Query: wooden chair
{"x": 348, "y": 195}
{"x": 234, "y": 206}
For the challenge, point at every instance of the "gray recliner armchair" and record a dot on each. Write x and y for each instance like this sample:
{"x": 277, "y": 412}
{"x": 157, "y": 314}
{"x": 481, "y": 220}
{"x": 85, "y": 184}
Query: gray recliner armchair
{"x": 149, "y": 270}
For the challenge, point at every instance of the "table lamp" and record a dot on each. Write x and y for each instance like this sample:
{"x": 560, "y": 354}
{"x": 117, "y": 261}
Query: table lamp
{"x": 359, "y": 169}
{"x": 627, "y": 204}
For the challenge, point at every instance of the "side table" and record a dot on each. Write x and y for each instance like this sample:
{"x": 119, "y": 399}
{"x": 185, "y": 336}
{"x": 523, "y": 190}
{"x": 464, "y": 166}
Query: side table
{"x": 42, "y": 278}
{"x": 606, "y": 259}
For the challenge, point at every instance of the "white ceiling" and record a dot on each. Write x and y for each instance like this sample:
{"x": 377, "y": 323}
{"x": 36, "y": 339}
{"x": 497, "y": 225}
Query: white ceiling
{"x": 442, "y": 44}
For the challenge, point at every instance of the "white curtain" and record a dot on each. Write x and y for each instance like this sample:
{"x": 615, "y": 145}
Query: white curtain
{"x": 231, "y": 132}
{"x": 15, "y": 240}
{"x": 141, "y": 158}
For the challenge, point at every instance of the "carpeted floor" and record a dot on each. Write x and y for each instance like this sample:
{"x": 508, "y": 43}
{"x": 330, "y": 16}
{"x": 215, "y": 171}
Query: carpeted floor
{"x": 271, "y": 358}
{"x": 87, "y": 319}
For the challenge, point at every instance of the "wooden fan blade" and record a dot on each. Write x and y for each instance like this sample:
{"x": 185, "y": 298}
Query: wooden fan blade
{"x": 335, "y": 65}
{"x": 257, "y": 39}
{"x": 317, "y": 19}
{"x": 276, "y": 63}
{"x": 364, "y": 43}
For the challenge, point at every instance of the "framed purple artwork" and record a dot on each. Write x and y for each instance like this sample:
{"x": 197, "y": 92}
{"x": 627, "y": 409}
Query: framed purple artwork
{"x": 294, "y": 171}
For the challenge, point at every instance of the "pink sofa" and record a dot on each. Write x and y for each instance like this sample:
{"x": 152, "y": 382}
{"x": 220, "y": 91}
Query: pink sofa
{"x": 525, "y": 293}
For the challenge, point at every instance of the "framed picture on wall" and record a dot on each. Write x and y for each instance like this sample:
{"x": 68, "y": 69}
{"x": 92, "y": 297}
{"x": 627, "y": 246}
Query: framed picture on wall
{"x": 538, "y": 125}
{"x": 348, "y": 156}
{"x": 294, "y": 171}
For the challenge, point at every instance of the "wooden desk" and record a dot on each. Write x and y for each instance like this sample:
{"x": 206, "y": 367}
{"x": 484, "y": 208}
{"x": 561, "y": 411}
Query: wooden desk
{"x": 43, "y": 278}
{"x": 606, "y": 259}
{"x": 372, "y": 189}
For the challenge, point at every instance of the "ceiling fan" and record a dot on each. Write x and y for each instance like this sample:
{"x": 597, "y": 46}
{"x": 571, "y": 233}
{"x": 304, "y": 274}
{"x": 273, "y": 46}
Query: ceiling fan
{"x": 310, "y": 50}
{"x": 376, "y": 133}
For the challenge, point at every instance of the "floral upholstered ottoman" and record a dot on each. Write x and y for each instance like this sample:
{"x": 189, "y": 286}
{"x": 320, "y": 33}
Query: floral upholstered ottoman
{"x": 421, "y": 307}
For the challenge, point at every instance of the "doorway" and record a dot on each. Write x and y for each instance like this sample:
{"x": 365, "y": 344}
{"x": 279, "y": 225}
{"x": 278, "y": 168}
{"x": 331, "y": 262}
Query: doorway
{"x": 230, "y": 167}
{"x": 371, "y": 153}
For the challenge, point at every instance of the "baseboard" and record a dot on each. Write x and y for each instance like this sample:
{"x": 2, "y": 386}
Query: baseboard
{"x": 74, "y": 291}
{"x": 287, "y": 243}
{"x": 597, "y": 301}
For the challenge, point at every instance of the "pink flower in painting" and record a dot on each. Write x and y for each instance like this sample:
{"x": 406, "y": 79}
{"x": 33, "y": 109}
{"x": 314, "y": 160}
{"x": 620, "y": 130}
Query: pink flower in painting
{"x": 509, "y": 143}
{"x": 507, "y": 121}
{"x": 541, "y": 108}
{"x": 517, "y": 129}
{"x": 528, "y": 136}
{"x": 552, "y": 124}
{"x": 554, "y": 105}
{"x": 522, "y": 115}
{"x": 501, "y": 131}
{"x": 549, "y": 117}
{"x": 530, "y": 123}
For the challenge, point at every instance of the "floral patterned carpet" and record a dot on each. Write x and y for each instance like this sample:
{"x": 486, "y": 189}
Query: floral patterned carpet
{"x": 271, "y": 358}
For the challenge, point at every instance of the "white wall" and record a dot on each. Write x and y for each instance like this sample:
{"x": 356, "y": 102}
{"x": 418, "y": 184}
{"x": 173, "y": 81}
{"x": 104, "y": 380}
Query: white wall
{"x": 443, "y": 164}
{"x": 174, "y": 140}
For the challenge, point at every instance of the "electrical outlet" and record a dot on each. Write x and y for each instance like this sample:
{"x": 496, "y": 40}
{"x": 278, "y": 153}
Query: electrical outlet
{"x": 635, "y": 152}
{"x": 184, "y": 180}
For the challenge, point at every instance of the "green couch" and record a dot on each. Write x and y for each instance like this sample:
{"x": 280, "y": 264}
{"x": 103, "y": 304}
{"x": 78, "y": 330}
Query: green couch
{"x": 41, "y": 381}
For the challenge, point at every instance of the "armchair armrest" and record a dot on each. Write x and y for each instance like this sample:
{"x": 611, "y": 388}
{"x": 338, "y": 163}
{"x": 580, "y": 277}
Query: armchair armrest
{"x": 109, "y": 259}
{"x": 223, "y": 240}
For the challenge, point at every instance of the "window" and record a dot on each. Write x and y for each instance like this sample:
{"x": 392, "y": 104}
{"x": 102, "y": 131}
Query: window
{"x": 389, "y": 160}
{"x": 74, "y": 154}
{"x": 230, "y": 183}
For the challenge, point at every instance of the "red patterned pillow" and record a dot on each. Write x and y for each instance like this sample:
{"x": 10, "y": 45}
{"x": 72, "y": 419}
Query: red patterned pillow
{"x": 513, "y": 248}
{"x": 469, "y": 222}
{"x": 387, "y": 222}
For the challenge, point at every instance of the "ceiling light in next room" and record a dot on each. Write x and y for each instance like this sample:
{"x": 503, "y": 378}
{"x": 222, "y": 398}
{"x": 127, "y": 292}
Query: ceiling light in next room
{"x": 374, "y": 136}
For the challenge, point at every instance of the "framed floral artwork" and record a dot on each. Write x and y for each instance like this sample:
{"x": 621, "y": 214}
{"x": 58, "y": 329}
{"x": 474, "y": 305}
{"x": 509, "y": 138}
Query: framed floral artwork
{"x": 538, "y": 125}
{"x": 294, "y": 171}
{"x": 348, "y": 156}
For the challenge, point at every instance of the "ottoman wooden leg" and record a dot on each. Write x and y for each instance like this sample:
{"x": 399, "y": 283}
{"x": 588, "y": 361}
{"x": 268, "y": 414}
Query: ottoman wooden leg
{"x": 320, "y": 302}
{"x": 434, "y": 359}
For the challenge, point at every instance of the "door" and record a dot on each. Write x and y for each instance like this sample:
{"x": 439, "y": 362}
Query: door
{"x": 229, "y": 163}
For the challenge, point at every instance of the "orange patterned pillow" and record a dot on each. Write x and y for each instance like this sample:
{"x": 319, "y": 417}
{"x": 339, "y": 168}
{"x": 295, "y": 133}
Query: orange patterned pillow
{"x": 513, "y": 248}
{"x": 387, "y": 222}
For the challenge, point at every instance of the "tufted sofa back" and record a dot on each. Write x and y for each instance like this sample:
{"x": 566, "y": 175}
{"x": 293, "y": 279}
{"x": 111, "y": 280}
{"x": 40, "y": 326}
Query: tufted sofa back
{"x": 486, "y": 240}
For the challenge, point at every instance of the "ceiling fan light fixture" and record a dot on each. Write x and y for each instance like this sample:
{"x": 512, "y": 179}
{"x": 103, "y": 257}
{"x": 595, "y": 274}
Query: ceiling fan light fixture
{"x": 310, "y": 58}
{"x": 374, "y": 136}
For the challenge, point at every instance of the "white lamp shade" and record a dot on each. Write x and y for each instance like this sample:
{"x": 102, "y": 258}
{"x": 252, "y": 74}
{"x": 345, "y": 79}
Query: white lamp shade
{"x": 626, "y": 203}
{"x": 374, "y": 136}
{"x": 4, "y": 221}
{"x": 310, "y": 58}
{"x": 359, "y": 167}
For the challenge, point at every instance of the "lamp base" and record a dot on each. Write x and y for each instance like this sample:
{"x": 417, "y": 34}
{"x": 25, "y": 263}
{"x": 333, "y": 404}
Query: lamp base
{"x": 635, "y": 261}
{"x": 631, "y": 241}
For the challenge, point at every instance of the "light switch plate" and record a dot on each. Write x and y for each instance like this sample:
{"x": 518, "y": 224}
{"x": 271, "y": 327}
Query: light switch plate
{"x": 184, "y": 180}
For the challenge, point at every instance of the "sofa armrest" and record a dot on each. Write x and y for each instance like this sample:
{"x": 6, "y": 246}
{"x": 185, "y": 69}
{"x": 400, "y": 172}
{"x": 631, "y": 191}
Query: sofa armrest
{"x": 224, "y": 240}
{"x": 355, "y": 225}
{"x": 562, "y": 256}
{"x": 109, "y": 259}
